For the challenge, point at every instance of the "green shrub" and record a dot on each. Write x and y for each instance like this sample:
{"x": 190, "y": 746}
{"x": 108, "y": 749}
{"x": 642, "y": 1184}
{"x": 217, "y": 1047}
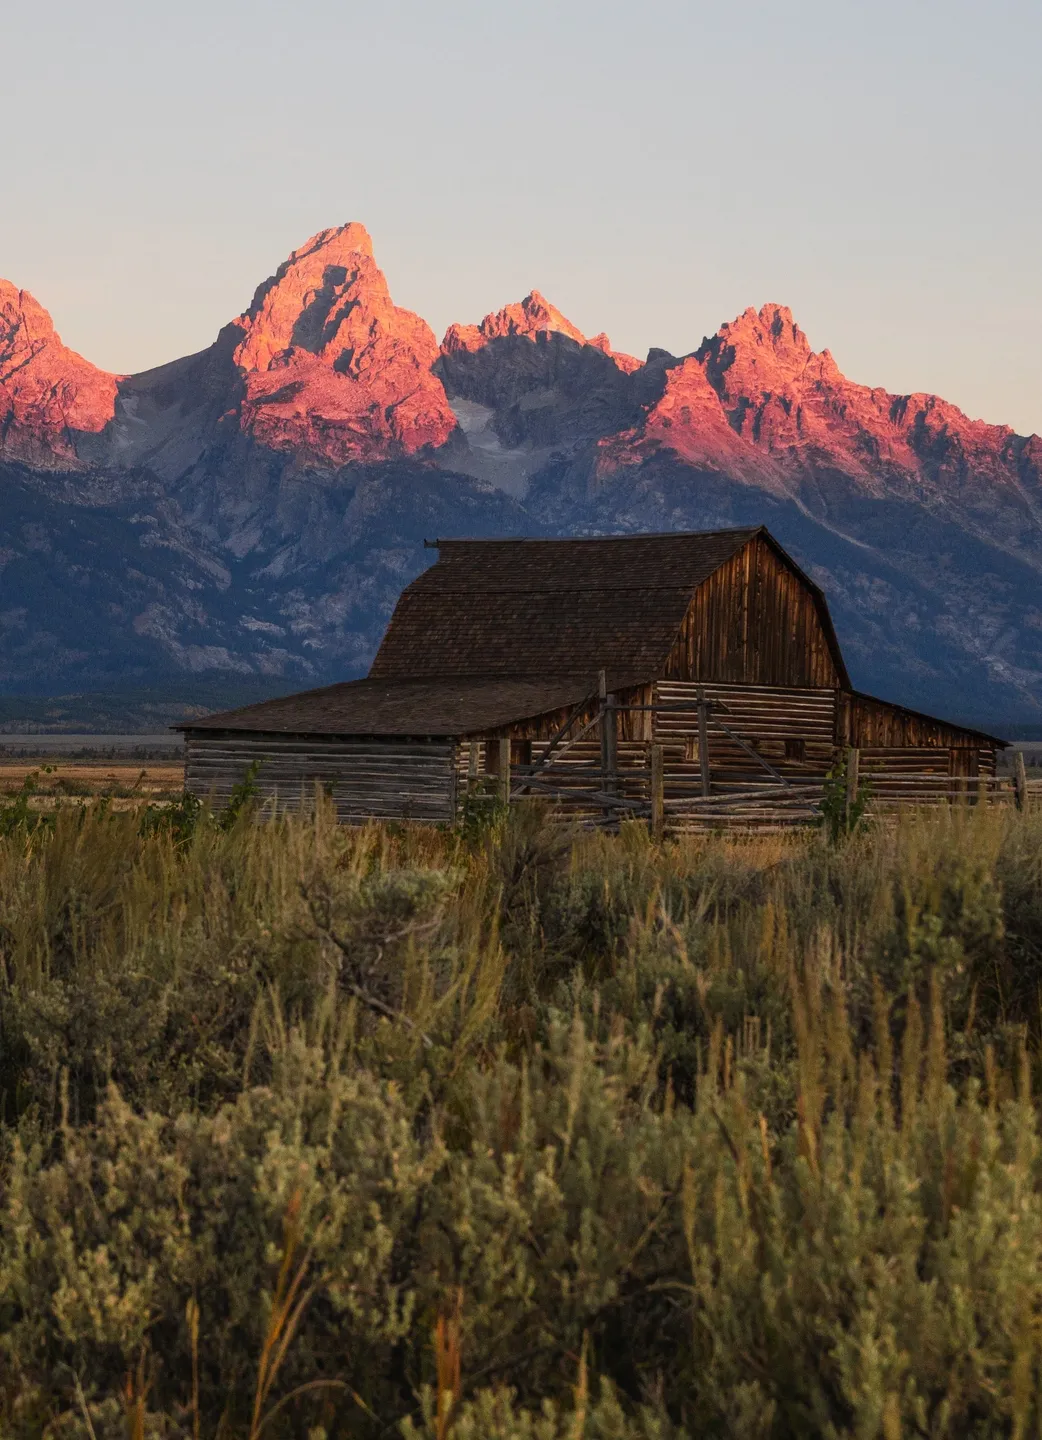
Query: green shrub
{"x": 317, "y": 1131}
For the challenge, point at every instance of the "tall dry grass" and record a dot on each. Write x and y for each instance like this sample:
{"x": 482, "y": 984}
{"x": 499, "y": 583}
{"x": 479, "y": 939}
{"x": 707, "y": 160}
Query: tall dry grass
{"x": 519, "y": 1132}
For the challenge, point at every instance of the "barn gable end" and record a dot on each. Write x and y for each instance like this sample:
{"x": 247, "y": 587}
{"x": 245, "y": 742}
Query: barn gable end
{"x": 757, "y": 620}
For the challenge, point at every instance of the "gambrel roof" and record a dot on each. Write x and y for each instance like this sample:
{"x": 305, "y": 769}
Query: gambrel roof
{"x": 559, "y": 607}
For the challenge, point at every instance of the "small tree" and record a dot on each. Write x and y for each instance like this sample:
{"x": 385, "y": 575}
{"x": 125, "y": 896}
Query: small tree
{"x": 843, "y": 813}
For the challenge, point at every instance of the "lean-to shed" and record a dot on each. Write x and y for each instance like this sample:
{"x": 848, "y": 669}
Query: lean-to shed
{"x": 583, "y": 664}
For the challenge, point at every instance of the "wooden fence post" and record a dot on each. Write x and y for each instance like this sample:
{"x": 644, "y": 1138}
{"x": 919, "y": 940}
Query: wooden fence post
{"x": 472, "y": 764}
{"x": 853, "y": 778}
{"x": 611, "y": 746}
{"x": 658, "y": 794}
{"x": 609, "y": 736}
{"x": 703, "y": 741}
{"x": 504, "y": 770}
{"x": 1020, "y": 780}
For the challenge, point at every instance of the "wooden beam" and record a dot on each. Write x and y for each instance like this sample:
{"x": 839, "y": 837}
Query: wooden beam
{"x": 600, "y": 798}
{"x": 606, "y": 709}
{"x": 562, "y": 730}
{"x": 750, "y": 751}
{"x": 609, "y": 744}
{"x": 703, "y": 741}
{"x": 504, "y": 770}
{"x": 658, "y": 795}
{"x": 853, "y": 778}
{"x": 1020, "y": 780}
{"x": 542, "y": 768}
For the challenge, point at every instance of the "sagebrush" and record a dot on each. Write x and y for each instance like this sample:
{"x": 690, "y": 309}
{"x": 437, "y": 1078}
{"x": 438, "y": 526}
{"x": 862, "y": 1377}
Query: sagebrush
{"x": 519, "y": 1132}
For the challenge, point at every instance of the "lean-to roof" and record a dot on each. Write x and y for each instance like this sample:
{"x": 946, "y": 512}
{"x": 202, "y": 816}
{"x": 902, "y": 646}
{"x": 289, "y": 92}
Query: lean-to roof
{"x": 420, "y": 708}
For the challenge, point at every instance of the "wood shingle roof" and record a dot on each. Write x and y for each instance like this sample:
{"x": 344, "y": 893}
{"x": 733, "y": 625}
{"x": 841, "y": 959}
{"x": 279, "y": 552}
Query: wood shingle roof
{"x": 499, "y": 631}
{"x": 550, "y": 607}
{"x": 417, "y": 708}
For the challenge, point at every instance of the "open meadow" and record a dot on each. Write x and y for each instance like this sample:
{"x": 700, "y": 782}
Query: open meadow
{"x": 48, "y": 780}
{"x": 512, "y": 1131}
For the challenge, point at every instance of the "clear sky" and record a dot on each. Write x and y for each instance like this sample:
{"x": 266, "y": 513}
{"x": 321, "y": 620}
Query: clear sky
{"x": 652, "y": 168}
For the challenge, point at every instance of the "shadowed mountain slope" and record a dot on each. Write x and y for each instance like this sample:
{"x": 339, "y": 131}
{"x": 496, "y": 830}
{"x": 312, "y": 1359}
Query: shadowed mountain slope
{"x": 255, "y": 508}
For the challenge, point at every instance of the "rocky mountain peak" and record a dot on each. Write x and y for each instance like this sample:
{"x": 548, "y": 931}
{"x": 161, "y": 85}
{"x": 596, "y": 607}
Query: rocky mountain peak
{"x": 532, "y": 316}
{"x": 322, "y": 366}
{"x": 333, "y": 369}
{"x": 528, "y": 318}
{"x": 760, "y": 351}
{"x": 302, "y": 303}
{"x": 626, "y": 363}
{"x": 48, "y": 393}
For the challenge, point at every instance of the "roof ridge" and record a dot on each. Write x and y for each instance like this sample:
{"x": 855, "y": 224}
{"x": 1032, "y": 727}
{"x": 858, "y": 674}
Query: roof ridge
{"x": 590, "y": 539}
{"x": 455, "y": 587}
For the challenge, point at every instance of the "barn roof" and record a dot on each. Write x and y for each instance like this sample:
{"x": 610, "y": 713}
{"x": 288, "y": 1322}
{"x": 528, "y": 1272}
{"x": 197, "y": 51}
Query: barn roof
{"x": 504, "y": 630}
{"x": 402, "y": 707}
{"x": 550, "y": 607}
{"x": 561, "y": 607}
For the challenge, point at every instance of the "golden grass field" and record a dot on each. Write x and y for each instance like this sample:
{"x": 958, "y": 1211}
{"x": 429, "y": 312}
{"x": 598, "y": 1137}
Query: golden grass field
{"x": 120, "y": 781}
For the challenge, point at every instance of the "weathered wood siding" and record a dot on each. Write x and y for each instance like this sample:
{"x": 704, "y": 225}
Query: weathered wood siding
{"x": 956, "y": 762}
{"x": 792, "y": 728}
{"x": 633, "y": 724}
{"x": 930, "y": 774}
{"x": 368, "y": 779}
{"x": 867, "y": 723}
{"x": 906, "y": 758}
{"x": 754, "y": 622}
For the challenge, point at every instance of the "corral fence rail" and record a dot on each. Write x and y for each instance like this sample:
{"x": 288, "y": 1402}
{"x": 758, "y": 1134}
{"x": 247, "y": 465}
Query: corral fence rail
{"x": 595, "y": 778}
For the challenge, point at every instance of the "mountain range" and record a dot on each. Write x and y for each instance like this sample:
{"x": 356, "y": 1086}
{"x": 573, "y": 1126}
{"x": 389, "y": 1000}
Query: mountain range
{"x": 249, "y": 514}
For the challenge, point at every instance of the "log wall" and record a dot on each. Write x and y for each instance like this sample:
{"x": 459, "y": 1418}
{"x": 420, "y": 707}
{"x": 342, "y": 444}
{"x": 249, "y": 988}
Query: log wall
{"x": 794, "y": 735}
{"x": 792, "y": 729}
{"x": 367, "y": 779}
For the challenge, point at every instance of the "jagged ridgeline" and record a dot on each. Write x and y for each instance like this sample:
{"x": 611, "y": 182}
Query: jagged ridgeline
{"x": 505, "y": 1132}
{"x": 255, "y": 509}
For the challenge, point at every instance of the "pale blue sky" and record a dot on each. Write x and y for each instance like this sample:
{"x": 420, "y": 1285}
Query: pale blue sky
{"x": 653, "y": 169}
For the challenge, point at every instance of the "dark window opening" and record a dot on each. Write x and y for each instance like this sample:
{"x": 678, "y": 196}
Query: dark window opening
{"x": 795, "y": 749}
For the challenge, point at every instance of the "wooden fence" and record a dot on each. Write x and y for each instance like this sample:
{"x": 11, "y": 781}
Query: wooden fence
{"x": 597, "y": 779}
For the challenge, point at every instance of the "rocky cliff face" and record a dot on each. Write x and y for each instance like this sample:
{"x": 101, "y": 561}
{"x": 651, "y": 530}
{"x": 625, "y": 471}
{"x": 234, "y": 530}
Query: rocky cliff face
{"x": 542, "y": 382}
{"x": 49, "y": 395}
{"x": 322, "y": 367}
{"x": 334, "y": 371}
{"x": 255, "y": 508}
{"x": 754, "y": 402}
{"x": 796, "y": 416}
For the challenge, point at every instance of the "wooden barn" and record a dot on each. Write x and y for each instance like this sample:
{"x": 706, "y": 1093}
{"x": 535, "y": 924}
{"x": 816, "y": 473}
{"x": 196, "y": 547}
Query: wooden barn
{"x": 691, "y": 679}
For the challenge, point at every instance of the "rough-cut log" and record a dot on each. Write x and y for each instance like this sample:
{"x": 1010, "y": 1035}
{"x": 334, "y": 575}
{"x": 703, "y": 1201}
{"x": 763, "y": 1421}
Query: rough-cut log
{"x": 391, "y": 781}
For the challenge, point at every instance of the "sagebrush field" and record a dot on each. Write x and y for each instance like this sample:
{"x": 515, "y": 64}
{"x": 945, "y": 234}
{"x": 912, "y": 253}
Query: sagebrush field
{"x": 517, "y": 1132}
